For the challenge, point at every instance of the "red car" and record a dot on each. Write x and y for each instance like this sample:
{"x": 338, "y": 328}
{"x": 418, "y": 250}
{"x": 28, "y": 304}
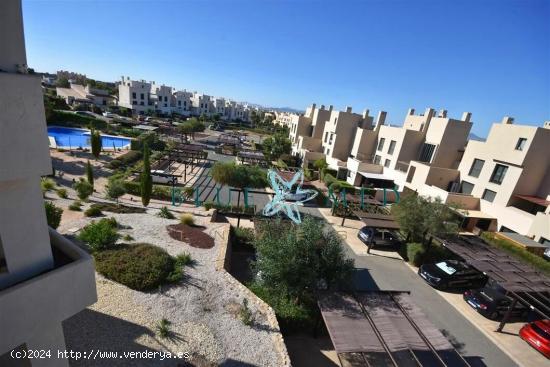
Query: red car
{"x": 538, "y": 335}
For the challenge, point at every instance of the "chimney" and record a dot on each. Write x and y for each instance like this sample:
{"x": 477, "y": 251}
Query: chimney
{"x": 411, "y": 112}
{"x": 546, "y": 124}
{"x": 365, "y": 113}
{"x": 429, "y": 113}
{"x": 322, "y": 106}
{"x": 348, "y": 109}
{"x": 507, "y": 120}
{"x": 330, "y": 108}
{"x": 442, "y": 113}
{"x": 313, "y": 106}
{"x": 466, "y": 116}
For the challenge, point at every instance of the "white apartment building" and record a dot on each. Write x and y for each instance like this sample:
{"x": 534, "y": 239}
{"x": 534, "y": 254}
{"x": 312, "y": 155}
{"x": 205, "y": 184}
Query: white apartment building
{"x": 134, "y": 94}
{"x": 502, "y": 183}
{"x": 44, "y": 278}
{"x": 79, "y": 94}
{"x": 183, "y": 104}
{"x": 201, "y": 104}
{"x": 161, "y": 98}
{"x": 219, "y": 107}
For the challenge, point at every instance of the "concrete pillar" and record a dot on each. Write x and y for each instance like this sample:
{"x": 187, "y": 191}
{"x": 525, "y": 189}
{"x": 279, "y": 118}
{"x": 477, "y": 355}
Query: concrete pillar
{"x": 506, "y": 120}
{"x": 330, "y": 108}
{"x": 380, "y": 119}
{"x": 443, "y": 113}
{"x": 52, "y": 340}
{"x": 348, "y": 109}
{"x": 410, "y": 112}
{"x": 466, "y": 116}
{"x": 366, "y": 113}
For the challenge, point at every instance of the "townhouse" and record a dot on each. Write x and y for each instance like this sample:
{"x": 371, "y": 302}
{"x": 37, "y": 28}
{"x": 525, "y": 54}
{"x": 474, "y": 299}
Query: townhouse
{"x": 161, "y": 98}
{"x": 183, "y": 104}
{"x": 80, "y": 94}
{"x": 134, "y": 94}
{"x": 44, "y": 278}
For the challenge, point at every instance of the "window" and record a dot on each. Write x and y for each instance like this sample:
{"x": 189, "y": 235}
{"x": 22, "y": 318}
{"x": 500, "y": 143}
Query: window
{"x": 521, "y": 143}
{"x": 392, "y": 147}
{"x": 141, "y": 103}
{"x": 489, "y": 195}
{"x": 134, "y": 102}
{"x": 326, "y": 136}
{"x": 165, "y": 99}
{"x": 328, "y": 151}
{"x": 142, "y": 96}
{"x": 387, "y": 163}
{"x": 179, "y": 103}
{"x": 331, "y": 137}
{"x": 381, "y": 144}
{"x": 410, "y": 175}
{"x": 427, "y": 152}
{"x": 134, "y": 95}
{"x": 377, "y": 159}
{"x": 466, "y": 187}
{"x": 475, "y": 170}
{"x": 498, "y": 174}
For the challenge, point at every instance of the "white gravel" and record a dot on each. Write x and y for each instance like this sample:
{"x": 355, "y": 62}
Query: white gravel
{"x": 202, "y": 309}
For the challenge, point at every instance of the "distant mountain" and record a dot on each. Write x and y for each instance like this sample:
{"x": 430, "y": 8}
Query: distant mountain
{"x": 286, "y": 109}
{"x": 473, "y": 136}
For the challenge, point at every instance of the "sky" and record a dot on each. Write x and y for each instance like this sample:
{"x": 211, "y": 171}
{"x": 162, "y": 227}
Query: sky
{"x": 488, "y": 57}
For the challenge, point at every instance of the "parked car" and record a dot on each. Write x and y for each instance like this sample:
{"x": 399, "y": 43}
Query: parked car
{"x": 159, "y": 176}
{"x": 537, "y": 334}
{"x": 452, "y": 274}
{"x": 491, "y": 301}
{"x": 108, "y": 114}
{"x": 371, "y": 236}
{"x": 547, "y": 254}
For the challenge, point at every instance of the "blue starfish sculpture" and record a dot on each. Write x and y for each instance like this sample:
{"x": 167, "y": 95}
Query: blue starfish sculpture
{"x": 282, "y": 188}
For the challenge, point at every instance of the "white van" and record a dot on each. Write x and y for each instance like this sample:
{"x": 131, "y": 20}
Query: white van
{"x": 160, "y": 176}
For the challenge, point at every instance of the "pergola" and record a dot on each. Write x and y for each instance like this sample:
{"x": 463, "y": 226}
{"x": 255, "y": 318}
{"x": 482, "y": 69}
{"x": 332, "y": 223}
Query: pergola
{"x": 384, "y": 328}
{"x": 521, "y": 281}
{"x": 381, "y": 221}
{"x": 252, "y": 157}
{"x": 182, "y": 153}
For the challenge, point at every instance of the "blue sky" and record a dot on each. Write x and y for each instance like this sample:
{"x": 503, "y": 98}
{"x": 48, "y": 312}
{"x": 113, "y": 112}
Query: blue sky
{"x": 490, "y": 57}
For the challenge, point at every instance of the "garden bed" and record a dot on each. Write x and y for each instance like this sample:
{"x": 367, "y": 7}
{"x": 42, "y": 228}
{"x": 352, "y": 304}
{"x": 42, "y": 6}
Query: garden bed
{"x": 192, "y": 235}
{"x": 120, "y": 209}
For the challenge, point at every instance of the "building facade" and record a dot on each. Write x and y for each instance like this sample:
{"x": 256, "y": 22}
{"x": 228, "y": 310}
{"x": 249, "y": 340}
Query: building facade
{"x": 44, "y": 278}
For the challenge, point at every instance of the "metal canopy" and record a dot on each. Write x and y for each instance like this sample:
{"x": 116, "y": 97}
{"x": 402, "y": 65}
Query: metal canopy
{"x": 384, "y": 329}
{"x": 381, "y": 221}
{"x": 520, "y": 280}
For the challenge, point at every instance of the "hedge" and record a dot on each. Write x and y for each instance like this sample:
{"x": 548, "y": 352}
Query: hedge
{"x": 141, "y": 267}
{"x": 71, "y": 119}
{"x": 126, "y": 159}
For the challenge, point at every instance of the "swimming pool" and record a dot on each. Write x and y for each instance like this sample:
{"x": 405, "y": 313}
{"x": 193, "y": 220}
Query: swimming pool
{"x": 68, "y": 137}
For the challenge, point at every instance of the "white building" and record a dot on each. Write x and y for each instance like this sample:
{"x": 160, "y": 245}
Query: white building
{"x": 134, "y": 94}
{"x": 183, "y": 104}
{"x": 162, "y": 98}
{"x": 44, "y": 278}
{"x": 79, "y": 94}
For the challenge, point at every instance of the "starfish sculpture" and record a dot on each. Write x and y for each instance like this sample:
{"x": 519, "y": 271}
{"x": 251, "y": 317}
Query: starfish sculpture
{"x": 283, "y": 192}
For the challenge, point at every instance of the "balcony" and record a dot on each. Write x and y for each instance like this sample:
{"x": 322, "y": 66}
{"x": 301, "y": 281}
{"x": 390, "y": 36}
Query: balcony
{"x": 33, "y": 305}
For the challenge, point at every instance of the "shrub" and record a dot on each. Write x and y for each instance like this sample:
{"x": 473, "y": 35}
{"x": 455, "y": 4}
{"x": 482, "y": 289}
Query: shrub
{"x": 62, "y": 193}
{"x": 53, "y": 214}
{"x": 242, "y": 237}
{"x": 128, "y": 238}
{"x": 47, "y": 184}
{"x": 329, "y": 179}
{"x": 141, "y": 267}
{"x": 187, "y": 219}
{"x": 83, "y": 189}
{"x": 126, "y": 159}
{"x": 188, "y": 192}
{"x": 164, "y": 212}
{"x": 120, "y": 209}
{"x": 115, "y": 189}
{"x": 163, "y": 328}
{"x": 93, "y": 212}
{"x": 245, "y": 313}
{"x": 75, "y": 206}
{"x": 208, "y": 205}
{"x": 100, "y": 235}
{"x": 184, "y": 259}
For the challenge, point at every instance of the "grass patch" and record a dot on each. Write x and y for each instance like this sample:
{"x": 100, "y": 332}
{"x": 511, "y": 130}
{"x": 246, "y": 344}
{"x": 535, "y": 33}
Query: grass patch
{"x": 164, "y": 212}
{"x": 141, "y": 267}
{"x": 62, "y": 193}
{"x": 76, "y": 206}
{"x": 184, "y": 259}
{"x": 120, "y": 209}
{"x": 536, "y": 261}
{"x": 187, "y": 219}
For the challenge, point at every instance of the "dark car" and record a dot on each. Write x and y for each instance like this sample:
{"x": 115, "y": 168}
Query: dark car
{"x": 452, "y": 274}
{"x": 371, "y": 236}
{"x": 537, "y": 334}
{"x": 491, "y": 301}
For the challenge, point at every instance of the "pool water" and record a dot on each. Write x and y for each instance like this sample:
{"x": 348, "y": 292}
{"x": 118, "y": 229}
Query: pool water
{"x": 67, "y": 137}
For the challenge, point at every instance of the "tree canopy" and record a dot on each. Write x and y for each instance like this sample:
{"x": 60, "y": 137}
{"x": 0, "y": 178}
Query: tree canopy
{"x": 419, "y": 216}
{"x": 275, "y": 146}
{"x": 239, "y": 176}
{"x": 299, "y": 259}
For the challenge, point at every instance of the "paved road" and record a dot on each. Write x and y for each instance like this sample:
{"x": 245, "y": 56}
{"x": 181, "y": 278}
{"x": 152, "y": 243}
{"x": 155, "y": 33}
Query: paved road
{"x": 378, "y": 272}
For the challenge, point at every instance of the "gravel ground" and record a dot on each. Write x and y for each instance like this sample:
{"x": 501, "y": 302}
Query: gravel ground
{"x": 203, "y": 309}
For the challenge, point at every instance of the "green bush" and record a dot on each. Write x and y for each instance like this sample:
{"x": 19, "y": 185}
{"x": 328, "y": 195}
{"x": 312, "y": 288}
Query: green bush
{"x": 93, "y": 212}
{"x": 536, "y": 261}
{"x": 53, "y": 214}
{"x": 100, "y": 235}
{"x": 75, "y": 206}
{"x": 47, "y": 184}
{"x": 184, "y": 259}
{"x": 164, "y": 212}
{"x": 83, "y": 189}
{"x": 125, "y": 160}
{"x": 141, "y": 267}
{"x": 120, "y": 209}
{"x": 329, "y": 179}
{"x": 242, "y": 237}
{"x": 62, "y": 193}
{"x": 208, "y": 205}
{"x": 187, "y": 219}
